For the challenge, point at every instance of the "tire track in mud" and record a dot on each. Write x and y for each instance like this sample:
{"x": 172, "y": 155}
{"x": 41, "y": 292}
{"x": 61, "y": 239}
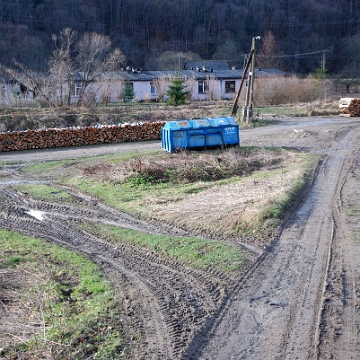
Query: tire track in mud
{"x": 278, "y": 312}
{"x": 166, "y": 302}
{"x": 88, "y": 209}
{"x": 340, "y": 313}
{"x": 300, "y": 299}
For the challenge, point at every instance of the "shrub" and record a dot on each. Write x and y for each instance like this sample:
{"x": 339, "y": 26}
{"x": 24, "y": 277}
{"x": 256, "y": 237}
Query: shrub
{"x": 288, "y": 90}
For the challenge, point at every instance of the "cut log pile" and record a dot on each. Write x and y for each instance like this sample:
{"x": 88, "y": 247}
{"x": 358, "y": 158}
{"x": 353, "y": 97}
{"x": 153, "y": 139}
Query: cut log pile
{"x": 350, "y": 106}
{"x": 49, "y": 138}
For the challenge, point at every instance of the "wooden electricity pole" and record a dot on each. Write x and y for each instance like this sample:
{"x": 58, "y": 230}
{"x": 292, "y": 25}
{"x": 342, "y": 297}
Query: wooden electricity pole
{"x": 235, "y": 106}
{"x": 247, "y": 109}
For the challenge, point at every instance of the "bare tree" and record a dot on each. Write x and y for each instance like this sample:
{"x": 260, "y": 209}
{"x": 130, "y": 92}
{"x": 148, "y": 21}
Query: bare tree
{"x": 268, "y": 56}
{"x": 62, "y": 67}
{"x": 161, "y": 86}
{"x": 190, "y": 85}
{"x": 94, "y": 58}
{"x": 214, "y": 88}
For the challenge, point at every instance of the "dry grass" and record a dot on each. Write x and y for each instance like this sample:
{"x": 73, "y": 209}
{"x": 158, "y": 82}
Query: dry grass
{"x": 288, "y": 90}
{"x": 187, "y": 167}
{"x": 224, "y": 209}
{"x": 20, "y": 319}
{"x": 242, "y": 192}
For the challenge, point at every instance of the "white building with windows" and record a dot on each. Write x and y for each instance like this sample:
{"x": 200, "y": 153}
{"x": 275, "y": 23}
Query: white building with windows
{"x": 204, "y": 80}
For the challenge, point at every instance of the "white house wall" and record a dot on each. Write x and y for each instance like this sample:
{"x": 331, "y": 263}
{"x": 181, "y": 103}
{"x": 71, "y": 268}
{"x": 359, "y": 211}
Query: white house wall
{"x": 11, "y": 94}
{"x": 114, "y": 84}
{"x": 142, "y": 91}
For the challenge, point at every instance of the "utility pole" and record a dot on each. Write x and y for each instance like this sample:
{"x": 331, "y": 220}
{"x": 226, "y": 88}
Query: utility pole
{"x": 247, "y": 109}
{"x": 235, "y": 106}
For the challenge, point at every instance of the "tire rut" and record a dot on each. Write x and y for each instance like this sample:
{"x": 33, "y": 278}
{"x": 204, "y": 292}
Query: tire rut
{"x": 340, "y": 312}
{"x": 300, "y": 299}
{"x": 167, "y": 302}
{"x": 278, "y": 312}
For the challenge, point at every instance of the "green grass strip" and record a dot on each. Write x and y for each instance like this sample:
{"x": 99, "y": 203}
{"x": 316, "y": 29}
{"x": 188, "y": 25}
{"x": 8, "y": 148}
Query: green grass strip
{"x": 74, "y": 298}
{"x": 42, "y": 192}
{"x": 192, "y": 252}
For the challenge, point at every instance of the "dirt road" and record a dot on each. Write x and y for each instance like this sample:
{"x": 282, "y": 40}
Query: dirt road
{"x": 299, "y": 300}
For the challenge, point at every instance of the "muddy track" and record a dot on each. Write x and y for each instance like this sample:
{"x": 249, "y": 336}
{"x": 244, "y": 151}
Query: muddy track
{"x": 165, "y": 303}
{"x": 300, "y": 299}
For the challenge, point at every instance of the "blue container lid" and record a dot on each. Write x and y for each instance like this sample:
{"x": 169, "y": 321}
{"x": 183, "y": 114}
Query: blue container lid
{"x": 200, "y": 123}
{"x": 177, "y": 125}
{"x": 222, "y": 121}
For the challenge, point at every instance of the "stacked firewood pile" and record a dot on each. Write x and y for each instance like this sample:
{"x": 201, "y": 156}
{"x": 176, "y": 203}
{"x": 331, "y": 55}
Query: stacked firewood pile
{"x": 350, "y": 106}
{"x": 42, "y": 139}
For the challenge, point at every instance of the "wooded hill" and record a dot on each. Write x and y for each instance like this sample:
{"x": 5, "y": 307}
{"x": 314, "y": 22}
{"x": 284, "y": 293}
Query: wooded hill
{"x": 297, "y": 35}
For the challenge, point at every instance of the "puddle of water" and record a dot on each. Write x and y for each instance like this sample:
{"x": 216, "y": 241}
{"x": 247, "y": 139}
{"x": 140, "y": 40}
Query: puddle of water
{"x": 36, "y": 214}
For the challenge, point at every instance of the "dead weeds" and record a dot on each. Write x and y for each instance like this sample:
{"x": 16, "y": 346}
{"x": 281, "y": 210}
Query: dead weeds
{"x": 188, "y": 167}
{"x": 240, "y": 192}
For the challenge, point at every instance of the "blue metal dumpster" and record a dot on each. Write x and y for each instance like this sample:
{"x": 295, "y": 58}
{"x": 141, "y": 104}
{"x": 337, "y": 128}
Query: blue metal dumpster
{"x": 199, "y": 133}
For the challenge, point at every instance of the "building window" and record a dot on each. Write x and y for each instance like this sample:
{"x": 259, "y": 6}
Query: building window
{"x": 77, "y": 89}
{"x": 152, "y": 88}
{"x": 203, "y": 87}
{"x": 229, "y": 86}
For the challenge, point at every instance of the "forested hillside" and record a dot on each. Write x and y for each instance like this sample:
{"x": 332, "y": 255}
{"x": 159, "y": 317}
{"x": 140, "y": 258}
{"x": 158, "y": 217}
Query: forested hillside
{"x": 296, "y": 34}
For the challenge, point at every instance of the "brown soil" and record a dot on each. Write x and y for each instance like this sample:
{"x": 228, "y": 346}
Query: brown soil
{"x": 300, "y": 297}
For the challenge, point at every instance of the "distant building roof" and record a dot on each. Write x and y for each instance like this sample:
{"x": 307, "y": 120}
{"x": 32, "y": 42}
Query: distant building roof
{"x": 207, "y": 64}
{"x": 199, "y": 74}
{"x": 193, "y": 74}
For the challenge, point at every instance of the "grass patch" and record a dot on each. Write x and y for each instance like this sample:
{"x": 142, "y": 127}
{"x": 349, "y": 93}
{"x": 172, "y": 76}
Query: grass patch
{"x": 176, "y": 178}
{"x": 62, "y": 169}
{"x": 270, "y": 216}
{"x": 352, "y": 210}
{"x": 42, "y": 192}
{"x": 65, "y": 304}
{"x": 352, "y": 214}
{"x": 279, "y": 111}
{"x": 47, "y": 166}
{"x": 194, "y": 252}
{"x": 152, "y": 185}
{"x": 4, "y": 163}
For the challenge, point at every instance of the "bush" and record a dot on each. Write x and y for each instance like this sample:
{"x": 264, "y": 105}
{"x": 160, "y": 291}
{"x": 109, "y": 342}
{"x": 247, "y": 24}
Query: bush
{"x": 288, "y": 90}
